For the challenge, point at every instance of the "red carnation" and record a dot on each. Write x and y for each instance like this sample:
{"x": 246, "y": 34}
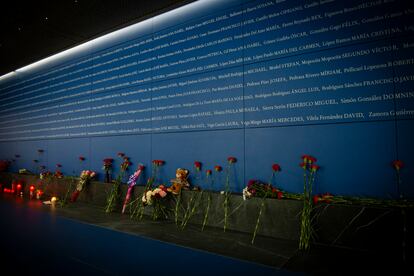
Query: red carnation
{"x": 276, "y": 167}
{"x": 197, "y": 165}
{"x": 232, "y": 159}
{"x": 108, "y": 160}
{"x": 397, "y": 164}
{"x": 218, "y": 168}
{"x": 141, "y": 167}
{"x": 158, "y": 162}
{"x": 81, "y": 158}
{"x": 208, "y": 172}
{"x": 305, "y": 158}
{"x": 279, "y": 195}
{"x": 251, "y": 183}
{"x": 303, "y": 165}
{"x": 314, "y": 168}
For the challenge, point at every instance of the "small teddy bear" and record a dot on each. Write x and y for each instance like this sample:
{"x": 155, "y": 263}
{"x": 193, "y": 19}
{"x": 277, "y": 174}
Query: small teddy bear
{"x": 180, "y": 181}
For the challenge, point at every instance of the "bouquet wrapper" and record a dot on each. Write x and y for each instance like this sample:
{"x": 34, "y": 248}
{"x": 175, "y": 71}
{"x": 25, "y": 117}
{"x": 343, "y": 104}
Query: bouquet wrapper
{"x": 132, "y": 183}
{"x": 74, "y": 196}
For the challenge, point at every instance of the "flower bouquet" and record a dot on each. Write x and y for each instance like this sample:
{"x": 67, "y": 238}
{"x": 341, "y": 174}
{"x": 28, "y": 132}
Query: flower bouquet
{"x": 85, "y": 177}
{"x": 157, "y": 199}
{"x": 138, "y": 204}
{"x": 196, "y": 196}
{"x": 227, "y": 192}
{"x": 256, "y": 188}
{"x": 45, "y": 175}
{"x": 131, "y": 183}
{"x": 309, "y": 173}
{"x": 114, "y": 195}
{"x": 210, "y": 182}
{"x": 107, "y": 167}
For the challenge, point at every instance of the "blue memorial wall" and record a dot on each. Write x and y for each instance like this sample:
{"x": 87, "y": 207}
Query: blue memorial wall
{"x": 263, "y": 81}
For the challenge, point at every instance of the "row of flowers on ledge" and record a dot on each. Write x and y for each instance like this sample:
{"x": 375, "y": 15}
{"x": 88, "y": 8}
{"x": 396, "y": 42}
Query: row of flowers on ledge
{"x": 166, "y": 200}
{"x": 254, "y": 188}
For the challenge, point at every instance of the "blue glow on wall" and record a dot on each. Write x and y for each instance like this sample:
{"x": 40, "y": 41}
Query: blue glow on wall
{"x": 264, "y": 81}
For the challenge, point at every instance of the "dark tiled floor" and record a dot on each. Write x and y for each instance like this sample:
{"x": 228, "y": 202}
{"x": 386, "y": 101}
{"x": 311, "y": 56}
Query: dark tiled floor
{"x": 276, "y": 253}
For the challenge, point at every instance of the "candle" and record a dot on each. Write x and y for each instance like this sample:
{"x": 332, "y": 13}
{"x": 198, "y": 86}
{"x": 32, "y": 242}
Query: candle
{"x": 31, "y": 189}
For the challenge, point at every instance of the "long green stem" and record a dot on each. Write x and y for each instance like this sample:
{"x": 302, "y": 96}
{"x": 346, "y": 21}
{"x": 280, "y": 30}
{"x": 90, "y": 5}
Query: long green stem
{"x": 226, "y": 202}
{"x": 188, "y": 210}
{"x": 306, "y": 221}
{"x": 207, "y": 211}
{"x": 68, "y": 192}
{"x": 192, "y": 211}
{"x": 139, "y": 207}
{"x": 114, "y": 195}
{"x": 258, "y": 218}
{"x": 177, "y": 207}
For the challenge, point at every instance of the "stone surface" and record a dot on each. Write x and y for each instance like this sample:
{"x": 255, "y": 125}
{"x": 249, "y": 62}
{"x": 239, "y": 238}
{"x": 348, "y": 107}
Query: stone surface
{"x": 344, "y": 234}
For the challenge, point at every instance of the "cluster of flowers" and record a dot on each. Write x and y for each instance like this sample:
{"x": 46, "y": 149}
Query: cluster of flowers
{"x": 125, "y": 164}
{"x": 158, "y": 162}
{"x": 86, "y": 176}
{"x": 45, "y": 175}
{"x": 58, "y": 174}
{"x": 154, "y": 194}
{"x": 107, "y": 164}
{"x": 309, "y": 163}
{"x": 324, "y": 198}
{"x": 256, "y": 188}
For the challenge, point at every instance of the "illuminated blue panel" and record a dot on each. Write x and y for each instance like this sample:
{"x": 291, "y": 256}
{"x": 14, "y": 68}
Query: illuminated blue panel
{"x": 404, "y": 79}
{"x": 340, "y": 85}
{"x": 138, "y": 148}
{"x": 356, "y": 150}
{"x": 180, "y": 150}
{"x": 243, "y": 78}
{"x": 207, "y": 101}
{"x": 71, "y": 165}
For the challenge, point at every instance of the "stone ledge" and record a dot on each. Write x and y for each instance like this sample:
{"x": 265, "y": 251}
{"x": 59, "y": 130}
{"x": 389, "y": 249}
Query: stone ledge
{"x": 359, "y": 227}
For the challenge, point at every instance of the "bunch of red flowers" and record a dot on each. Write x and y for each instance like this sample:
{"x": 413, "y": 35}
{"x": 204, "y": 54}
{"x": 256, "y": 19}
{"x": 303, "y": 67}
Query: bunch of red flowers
{"x": 107, "y": 164}
{"x": 257, "y": 188}
{"x": 309, "y": 163}
{"x": 125, "y": 164}
{"x": 158, "y": 162}
{"x": 324, "y": 198}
